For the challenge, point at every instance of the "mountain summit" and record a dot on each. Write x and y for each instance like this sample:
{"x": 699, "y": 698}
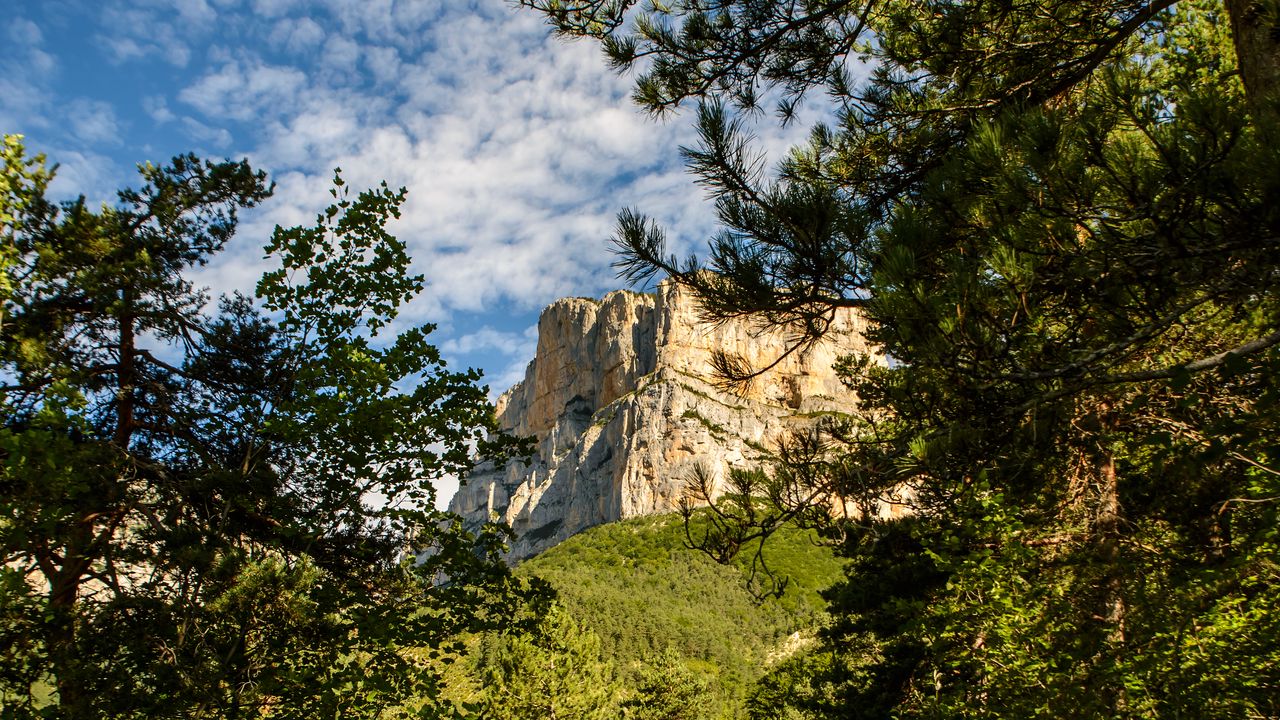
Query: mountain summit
{"x": 620, "y": 399}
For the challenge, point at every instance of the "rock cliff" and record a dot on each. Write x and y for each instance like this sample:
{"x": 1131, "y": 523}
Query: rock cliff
{"x": 619, "y": 399}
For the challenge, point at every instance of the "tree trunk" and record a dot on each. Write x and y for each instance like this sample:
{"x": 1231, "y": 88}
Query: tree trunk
{"x": 1106, "y": 530}
{"x": 1257, "y": 40}
{"x": 74, "y": 700}
{"x": 125, "y": 376}
{"x": 64, "y": 656}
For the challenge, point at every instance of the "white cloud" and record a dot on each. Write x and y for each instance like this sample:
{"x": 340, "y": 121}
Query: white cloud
{"x": 297, "y": 35}
{"x": 93, "y": 121}
{"x": 314, "y": 141}
{"x": 213, "y": 136}
{"x": 245, "y": 91}
{"x": 196, "y": 13}
{"x": 517, "y": 149}
{"x": 123, "y": 49}
{"x": 25, "y": 104}
{"x": 508, "y": 146}
{"x": 25, "y": 73}
{"x": 87, "y": 173}
{"x": 158, "y": 109}
{"x": 41, "y": 63}
{"x": 507, "y": 377}
{"x": 24, "y": 32}
{"x": 415, "y": 14}
{"x": 507, "y": 343}
{"x": 238, "y": 269}
{"x": 273, "y": 8}
{"x": 25, "y": 40}
{"x": 383, "y": 63}
{"x": 398, "y": 21}
{"x": 516, "y": 350}
{"x": 341, "y": 55}
{"x": 175, "y": 53}
{"x": 136, "y": 31}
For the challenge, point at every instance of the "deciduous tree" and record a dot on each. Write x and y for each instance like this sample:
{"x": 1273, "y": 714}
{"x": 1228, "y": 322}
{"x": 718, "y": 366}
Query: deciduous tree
{"x": 216, "y": 514}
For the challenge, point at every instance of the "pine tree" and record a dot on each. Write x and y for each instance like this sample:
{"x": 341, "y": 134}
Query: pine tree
{"x": 1061, "y": 220}
{"x": 668, "y": 691}
{"x": 554, "y": 673}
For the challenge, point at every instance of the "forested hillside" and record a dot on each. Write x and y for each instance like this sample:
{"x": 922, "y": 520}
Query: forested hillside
{"x": 640, "y": 615}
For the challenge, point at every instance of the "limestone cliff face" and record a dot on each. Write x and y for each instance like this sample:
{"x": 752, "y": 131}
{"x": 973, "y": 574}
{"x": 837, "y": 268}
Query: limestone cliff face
{"x": 619, "y": 400}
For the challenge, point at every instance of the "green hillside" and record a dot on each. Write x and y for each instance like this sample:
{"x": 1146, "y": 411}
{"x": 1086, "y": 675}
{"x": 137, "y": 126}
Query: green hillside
{"x": 642, "y": 614}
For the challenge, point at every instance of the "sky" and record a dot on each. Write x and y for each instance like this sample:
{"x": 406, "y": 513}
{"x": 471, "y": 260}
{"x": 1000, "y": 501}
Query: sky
{"x": 517, "y": 148}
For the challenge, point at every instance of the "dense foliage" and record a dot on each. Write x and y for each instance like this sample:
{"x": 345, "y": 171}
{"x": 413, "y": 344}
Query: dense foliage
{"x": 1062, "y": 221}
{"x": 647, "y": 628}
{"x": 215, "y": 514}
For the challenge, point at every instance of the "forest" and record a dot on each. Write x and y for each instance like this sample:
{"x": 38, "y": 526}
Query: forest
{"x": 1061, "y": 222}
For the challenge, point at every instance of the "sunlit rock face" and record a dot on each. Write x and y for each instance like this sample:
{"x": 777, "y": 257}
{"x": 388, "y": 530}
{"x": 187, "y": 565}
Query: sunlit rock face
{"x": 620, "y": 400}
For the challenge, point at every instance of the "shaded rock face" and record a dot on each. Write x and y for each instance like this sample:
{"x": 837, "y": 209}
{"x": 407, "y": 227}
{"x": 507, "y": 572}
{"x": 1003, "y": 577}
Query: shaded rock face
{"x": 619, "y": 399}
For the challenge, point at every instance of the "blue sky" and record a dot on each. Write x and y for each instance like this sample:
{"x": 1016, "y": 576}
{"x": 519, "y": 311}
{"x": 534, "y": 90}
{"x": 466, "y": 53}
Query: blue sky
{"x": 517, "y": 148}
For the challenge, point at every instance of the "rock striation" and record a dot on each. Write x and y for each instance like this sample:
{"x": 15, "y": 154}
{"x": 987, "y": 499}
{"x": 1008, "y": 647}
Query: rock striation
{"x": 620, "y": 402}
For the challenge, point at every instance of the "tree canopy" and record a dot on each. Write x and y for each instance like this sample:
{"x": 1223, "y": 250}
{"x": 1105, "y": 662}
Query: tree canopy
{"x": 216, "y": 511}
{"x": 643, "y": 627}
{"x": 1061, "y": 221}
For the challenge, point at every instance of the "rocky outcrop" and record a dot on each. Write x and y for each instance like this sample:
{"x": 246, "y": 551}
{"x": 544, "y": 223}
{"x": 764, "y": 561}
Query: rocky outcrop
{"x": 620, "y": 401}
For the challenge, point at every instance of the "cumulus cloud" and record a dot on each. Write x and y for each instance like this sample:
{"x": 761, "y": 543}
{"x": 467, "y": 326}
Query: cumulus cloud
{"x": 297, "y": 35}
{"x": 25, "y": 70}
{"x": 124, "y": 49}
{"x": 93, "y": 121}
{"x": 133, "y": 31}
{"x": 22, "y": 31}
{"x": 195, "y": 12}
{"x": 209, "y": 136}
{"x": 88, "y": 173}
{"x": 273, "y": 8}
{"x": 341, "y": 56}
{"x": 383, "y": 63}
{"x": 517, "y": 149}
{"x": 246, "y": 91}
{"x": 488, "y": 338}
{"x": 158, "y": 109}
{"x": 24, "y": 101}
{"x": 509, "y": 353}
{"x": 398, "y": 21}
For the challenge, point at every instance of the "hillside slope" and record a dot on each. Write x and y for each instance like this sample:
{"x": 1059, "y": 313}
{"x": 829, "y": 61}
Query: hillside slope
{"x": 640, "y": 602}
